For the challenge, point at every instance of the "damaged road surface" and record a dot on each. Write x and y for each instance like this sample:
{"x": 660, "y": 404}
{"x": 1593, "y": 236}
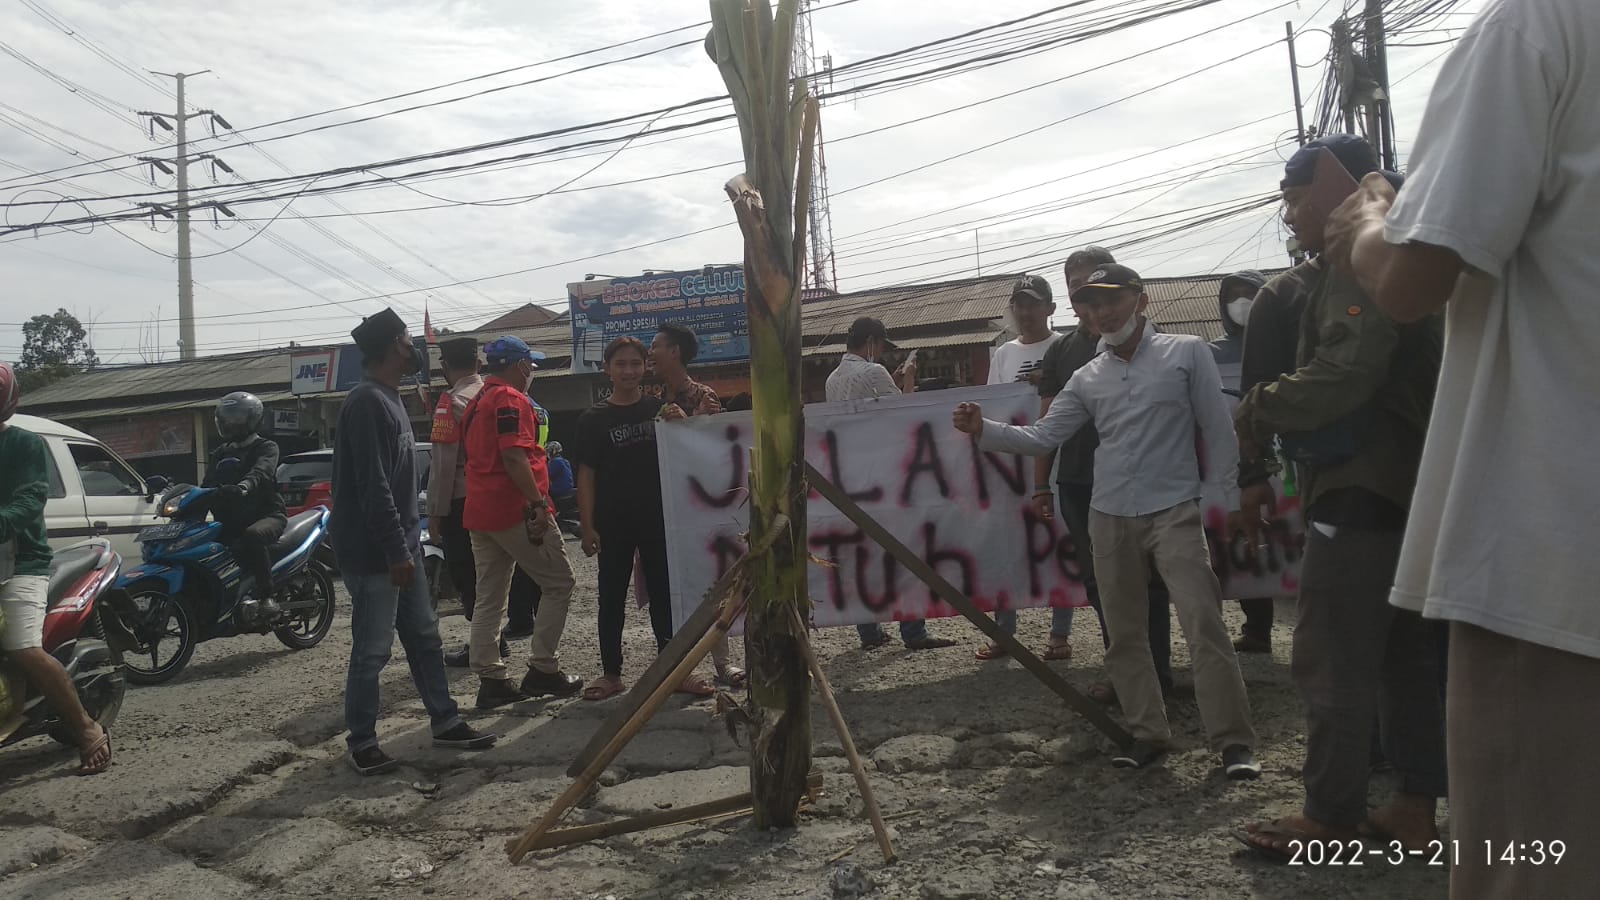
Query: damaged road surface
{"x": 230, "y": 782}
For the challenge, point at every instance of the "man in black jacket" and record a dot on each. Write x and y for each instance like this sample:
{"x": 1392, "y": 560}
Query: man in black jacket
{"x": 248, "y": 504}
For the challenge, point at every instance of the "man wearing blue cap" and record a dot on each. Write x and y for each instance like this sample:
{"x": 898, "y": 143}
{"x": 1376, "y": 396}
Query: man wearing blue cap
{"x": 1352, "y": 416}
{"x": 510, "y": 515}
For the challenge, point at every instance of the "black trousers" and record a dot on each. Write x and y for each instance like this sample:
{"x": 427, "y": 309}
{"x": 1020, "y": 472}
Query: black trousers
{"x": 252, "y": 549}
{"x": 1257, "y": 618}
{"x": 1075, "y": 512}
{"x": 463, "y": 568}
{"x": 617, "y": 549}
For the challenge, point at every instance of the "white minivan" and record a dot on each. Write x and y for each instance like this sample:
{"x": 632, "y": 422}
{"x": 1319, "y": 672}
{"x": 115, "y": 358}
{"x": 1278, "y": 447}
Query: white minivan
{"x": 93, "y": 492}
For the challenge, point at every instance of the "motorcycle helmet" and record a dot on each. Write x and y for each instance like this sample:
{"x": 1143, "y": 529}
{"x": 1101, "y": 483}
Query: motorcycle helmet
{"x": 239, "y": 415}
{"x": 553, "y": 448}
{"x": 10, "y": 392}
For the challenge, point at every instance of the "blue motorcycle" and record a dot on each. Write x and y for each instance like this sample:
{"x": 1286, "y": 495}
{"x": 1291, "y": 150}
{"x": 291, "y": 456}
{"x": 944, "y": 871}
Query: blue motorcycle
{"x": 187, "y": 590}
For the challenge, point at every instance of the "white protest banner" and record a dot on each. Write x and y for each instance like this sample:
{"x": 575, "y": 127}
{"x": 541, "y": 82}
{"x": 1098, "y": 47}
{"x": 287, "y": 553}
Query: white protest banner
{"x": 966, "y": 511}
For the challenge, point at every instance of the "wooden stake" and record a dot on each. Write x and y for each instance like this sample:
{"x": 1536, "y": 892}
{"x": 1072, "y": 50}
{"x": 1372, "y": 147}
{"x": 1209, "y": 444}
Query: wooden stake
{"x": 868, "y": 799}
{"x": 732, "y": 606}
{"x": 709, "y": 810}
{"x": 963, "y": 604}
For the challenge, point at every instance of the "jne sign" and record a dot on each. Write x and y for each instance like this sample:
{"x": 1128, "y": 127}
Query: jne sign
{"x": 966, "y": 511}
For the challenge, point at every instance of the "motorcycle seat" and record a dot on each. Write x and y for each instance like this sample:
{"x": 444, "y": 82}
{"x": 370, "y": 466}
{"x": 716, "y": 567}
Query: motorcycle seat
{"x": 68, "y": 567}
{"x": 296, "y": 532}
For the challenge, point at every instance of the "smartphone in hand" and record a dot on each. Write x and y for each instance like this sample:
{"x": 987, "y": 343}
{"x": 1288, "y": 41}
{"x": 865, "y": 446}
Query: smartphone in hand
{"x": 1331, "y": 184}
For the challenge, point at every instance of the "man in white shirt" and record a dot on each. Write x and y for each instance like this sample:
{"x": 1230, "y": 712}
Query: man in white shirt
{"x": 860, "y": 377}
{"x": 1499, "y": 220}
{"x": 1032, "y": 305}
{"x": 1146, "y": 393}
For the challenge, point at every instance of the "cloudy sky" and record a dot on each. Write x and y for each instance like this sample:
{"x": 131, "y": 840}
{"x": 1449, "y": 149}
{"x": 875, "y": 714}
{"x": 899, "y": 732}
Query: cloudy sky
{"x": 1127, "y": 138}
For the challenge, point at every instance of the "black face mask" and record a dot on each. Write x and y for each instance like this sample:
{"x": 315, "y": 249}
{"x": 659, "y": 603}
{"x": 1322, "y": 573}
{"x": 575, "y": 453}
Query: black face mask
{"x": 417, "y": 361}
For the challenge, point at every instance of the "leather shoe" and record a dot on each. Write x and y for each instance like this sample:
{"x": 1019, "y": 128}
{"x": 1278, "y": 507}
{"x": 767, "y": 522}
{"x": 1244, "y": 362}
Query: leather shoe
{"x": 550, "y": 684}
{"x": 459, "y": 659}
{"x": 496, "y": 692}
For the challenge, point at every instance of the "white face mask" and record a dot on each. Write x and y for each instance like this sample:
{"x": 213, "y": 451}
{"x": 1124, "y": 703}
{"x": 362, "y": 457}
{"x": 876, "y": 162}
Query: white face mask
{"x": 1121, "y": 335}
{"x": 1239, "y": 310}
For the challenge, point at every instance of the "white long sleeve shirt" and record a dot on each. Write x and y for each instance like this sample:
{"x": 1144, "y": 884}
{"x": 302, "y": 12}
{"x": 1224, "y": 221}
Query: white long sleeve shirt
{"x": 1146, "y": 410}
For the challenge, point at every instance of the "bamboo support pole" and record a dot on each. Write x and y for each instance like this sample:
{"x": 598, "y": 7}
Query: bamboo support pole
{"x": 857, "y": 768}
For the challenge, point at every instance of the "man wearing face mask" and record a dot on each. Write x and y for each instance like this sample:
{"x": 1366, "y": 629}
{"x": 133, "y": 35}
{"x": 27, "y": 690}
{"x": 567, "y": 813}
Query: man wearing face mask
{"x": 1146, "y": 393}
{"x": 512, "y": 521}
{"x": 1235, "y": 298}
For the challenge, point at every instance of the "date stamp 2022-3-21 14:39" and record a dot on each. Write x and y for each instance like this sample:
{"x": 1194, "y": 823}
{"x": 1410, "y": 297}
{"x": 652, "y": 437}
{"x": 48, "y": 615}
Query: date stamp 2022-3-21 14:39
{"x": 1437, "y": 853}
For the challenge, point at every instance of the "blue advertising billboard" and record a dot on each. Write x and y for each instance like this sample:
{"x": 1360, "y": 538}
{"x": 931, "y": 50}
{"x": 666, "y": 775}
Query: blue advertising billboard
{"x": 708, "y": 301}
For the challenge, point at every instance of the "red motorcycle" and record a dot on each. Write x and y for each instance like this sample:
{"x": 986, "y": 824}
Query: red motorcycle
{"x": 75, "y": 633}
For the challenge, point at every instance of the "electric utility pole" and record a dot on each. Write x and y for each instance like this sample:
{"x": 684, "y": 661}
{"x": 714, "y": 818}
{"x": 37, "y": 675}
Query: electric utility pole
{"x": 1379, "y": 114}
{"x": 186, "y": 339}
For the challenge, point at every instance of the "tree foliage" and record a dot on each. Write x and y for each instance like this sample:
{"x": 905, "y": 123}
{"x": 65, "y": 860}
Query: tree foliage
{"x": 54, "y": 346}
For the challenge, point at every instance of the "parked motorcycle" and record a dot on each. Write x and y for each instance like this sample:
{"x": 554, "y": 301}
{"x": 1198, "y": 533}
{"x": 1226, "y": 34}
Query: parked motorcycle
{"x": 188, "y": 588}
{"x": 76, "y": 623}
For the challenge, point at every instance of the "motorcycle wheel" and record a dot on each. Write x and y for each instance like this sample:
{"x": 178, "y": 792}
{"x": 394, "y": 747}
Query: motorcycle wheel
{"x": 104, "y": 712}
{"x": 160, "y": 621}
{"x": 309, "y": 627}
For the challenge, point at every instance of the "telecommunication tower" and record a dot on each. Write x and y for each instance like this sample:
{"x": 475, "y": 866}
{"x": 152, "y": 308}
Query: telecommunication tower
{"x": 820, "y": 274}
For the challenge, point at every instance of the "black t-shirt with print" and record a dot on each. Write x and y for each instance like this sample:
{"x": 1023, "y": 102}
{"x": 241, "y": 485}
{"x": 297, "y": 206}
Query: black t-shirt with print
{"x": 619, "y": 444}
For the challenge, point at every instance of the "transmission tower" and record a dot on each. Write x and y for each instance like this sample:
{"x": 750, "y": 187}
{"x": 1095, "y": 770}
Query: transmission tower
{"x": 821, "y": 274}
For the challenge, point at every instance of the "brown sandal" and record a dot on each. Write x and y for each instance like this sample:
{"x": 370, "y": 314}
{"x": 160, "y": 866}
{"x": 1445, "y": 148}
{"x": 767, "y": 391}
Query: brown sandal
{"x": 991, "y": 652}
{"x": 732, "y": 676}
{"x": 86, "y": 756}
{"x": 603, "y": 689}
{"x": 694, "y": 686}
{"x": 1057, "y": 650}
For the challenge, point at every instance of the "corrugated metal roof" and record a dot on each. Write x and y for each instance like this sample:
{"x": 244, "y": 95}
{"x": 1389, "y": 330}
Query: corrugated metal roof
{"x": 982, "y": 337}
{"x": 237, "y": 371}
{"x": 528, "y": 315}
{"x": 911, "y": 306}
{"x": 119, "y": 412}
{"x": 1188, "y": 305}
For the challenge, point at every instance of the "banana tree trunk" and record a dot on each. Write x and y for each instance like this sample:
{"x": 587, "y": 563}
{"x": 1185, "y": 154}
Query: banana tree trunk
{"x": 777, "y": 123}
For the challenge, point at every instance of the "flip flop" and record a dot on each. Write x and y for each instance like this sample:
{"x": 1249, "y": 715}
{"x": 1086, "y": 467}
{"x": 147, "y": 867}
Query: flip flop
{"x": 1054, "y": 652}
{"x": 90, "y": 752}
{"x": 602, "y": 689}
{"x": 695, "y": 687}
{"x": 990, "y": 652}
{"x": 1281, "y": 833}
{"x": 732, "y": 676}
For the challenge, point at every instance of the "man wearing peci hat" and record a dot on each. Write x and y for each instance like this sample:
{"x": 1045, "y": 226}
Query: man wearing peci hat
{"x": 861, "y": 377}
{"x": 1146, "y": 393}
{"x": 1352, "y": 417}
{"x": 379, "y": 548}
{"x": 511, "y": 517}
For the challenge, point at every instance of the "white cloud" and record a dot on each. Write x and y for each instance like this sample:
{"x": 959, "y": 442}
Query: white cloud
{"x": 287, "y": 58}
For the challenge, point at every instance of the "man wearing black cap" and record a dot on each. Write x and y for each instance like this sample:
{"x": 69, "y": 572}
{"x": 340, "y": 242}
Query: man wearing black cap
{"x": 1074, "y": 480}
{"x": 1352, "y": 417}
{"x": 379, "y": 548}
{"x": 860, "y": 377}
{"x": 1146, "y": 394}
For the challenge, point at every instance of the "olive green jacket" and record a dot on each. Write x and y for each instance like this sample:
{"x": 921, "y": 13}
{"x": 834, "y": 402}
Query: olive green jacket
{"x": 1358, "y": 368}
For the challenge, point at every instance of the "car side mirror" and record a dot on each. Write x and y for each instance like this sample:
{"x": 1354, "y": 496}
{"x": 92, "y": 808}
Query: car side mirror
{"x": 154, "y": 485}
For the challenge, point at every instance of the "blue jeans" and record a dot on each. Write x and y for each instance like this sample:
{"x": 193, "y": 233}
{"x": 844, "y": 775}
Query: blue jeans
{"x": 378, "y": 610}
{"x": 1060, "y": 622}
{"x": 911, "y": 630}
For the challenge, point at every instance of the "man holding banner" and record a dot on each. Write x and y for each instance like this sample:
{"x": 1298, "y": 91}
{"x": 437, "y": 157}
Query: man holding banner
{"x": 1145, "y": 397}
{"x": 860, "y": 377}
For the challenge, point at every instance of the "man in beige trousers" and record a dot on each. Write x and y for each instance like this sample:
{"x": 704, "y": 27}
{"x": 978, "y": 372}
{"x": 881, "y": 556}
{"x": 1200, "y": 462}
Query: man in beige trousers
{"x": 1146, "y": 393}
{"x": 510, "y": 515}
